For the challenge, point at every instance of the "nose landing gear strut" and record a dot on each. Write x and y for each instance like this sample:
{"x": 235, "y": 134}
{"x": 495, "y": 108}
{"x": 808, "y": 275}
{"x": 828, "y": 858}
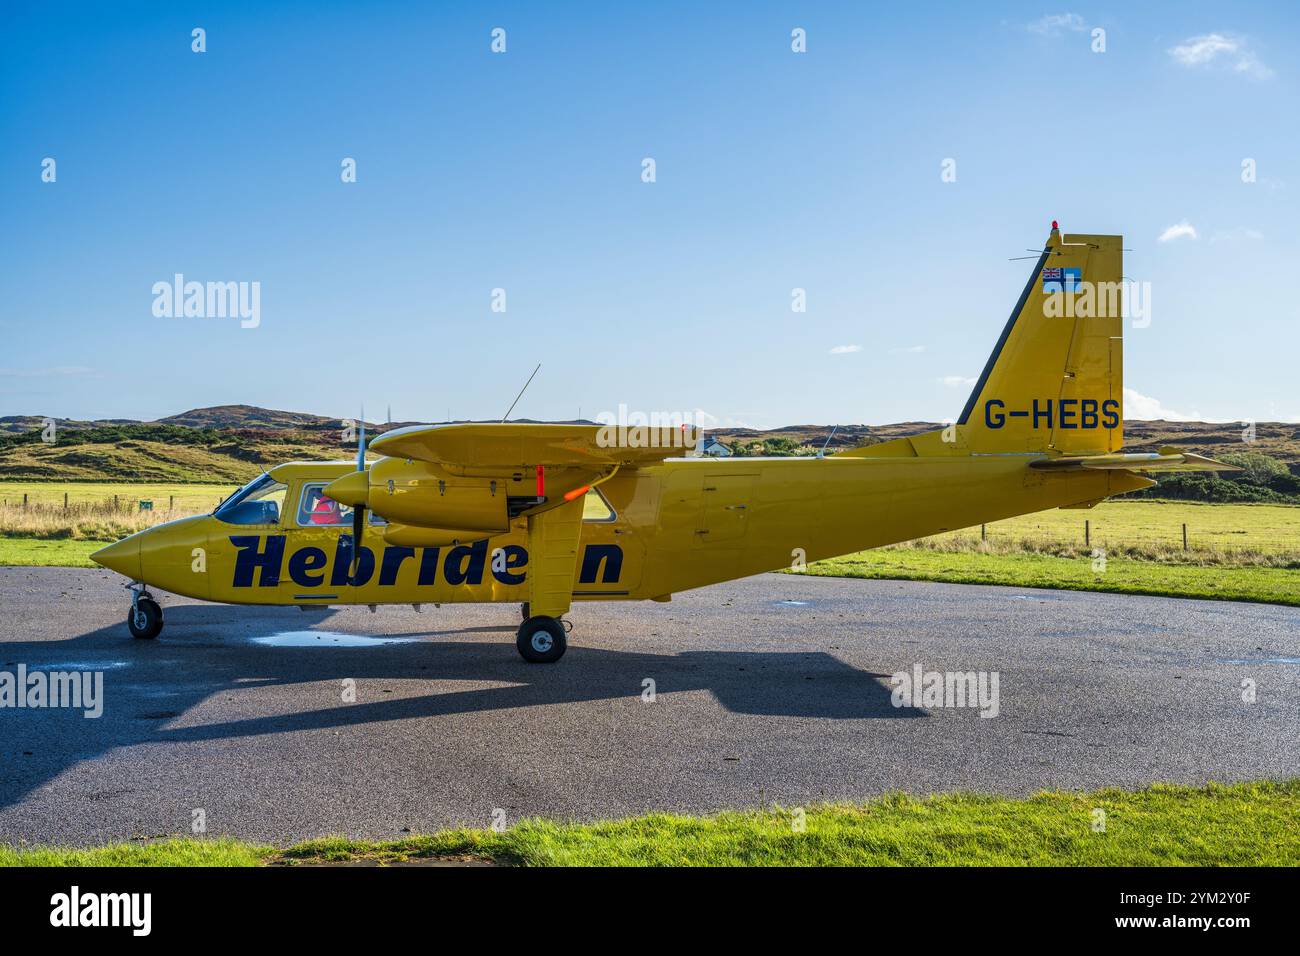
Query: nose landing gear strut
{"x": 145, "y": 619}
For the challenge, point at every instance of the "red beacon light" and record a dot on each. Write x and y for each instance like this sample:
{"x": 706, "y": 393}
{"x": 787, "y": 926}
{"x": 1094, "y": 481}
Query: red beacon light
{"x": 1055, "y": 226}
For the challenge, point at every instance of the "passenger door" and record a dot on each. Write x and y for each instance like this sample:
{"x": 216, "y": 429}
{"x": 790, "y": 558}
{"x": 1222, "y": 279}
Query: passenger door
{"x": 725, "y": 515}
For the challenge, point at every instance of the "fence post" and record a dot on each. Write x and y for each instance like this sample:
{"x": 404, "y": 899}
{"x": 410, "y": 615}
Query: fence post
{"x": 1184, "y": 535}
{"x": 984, "y": 533}
{"x": 171, "y": 503}
{"x": 24, "y": 500}
{"x": 1087, "y": 533}
{"x": 65, "y": 502}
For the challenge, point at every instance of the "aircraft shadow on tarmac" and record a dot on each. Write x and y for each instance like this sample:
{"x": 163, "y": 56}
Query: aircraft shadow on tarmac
{"x": 207, "y": 650}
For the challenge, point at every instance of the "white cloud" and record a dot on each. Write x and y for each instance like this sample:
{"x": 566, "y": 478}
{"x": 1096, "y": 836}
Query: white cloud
{"x": 1179, "y": 230}
{"x": 908, "y": 350}
{"x": 1222, "y": 50}
{"x": 957, "y": 381}
{"x": 1203, "y": 49}
{"x": 845, "y": 349}
{"x": 1054, "y": 24}
{"x": 1141, "y": 407}
{"x": 1145, "y": 408}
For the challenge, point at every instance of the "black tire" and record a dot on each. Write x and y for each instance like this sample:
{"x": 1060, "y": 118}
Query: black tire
{"x": 524, "y": 613}
{"x": 145, "y": 619}
{"x": 541, "y": 640}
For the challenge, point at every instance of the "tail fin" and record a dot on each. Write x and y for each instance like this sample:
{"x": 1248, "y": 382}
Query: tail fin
{"x": 1055, "y": 380}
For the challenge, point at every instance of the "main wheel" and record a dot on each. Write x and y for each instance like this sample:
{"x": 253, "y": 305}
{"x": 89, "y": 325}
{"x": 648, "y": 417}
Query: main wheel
{"x": 145, "y": 619}
{"x": 524, "y": 613}
{"x": 541, "y": 640}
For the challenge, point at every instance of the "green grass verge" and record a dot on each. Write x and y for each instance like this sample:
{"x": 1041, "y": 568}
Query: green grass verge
{"x": 1122, "y": 575}
{"x": 1162, "y": 825}
{"x": 178, "y": 851}
{"x": 43, "y": 553}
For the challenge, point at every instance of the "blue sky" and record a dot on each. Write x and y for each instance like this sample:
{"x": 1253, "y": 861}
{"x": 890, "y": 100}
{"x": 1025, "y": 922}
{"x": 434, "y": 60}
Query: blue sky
{"x": 522, "y": 171}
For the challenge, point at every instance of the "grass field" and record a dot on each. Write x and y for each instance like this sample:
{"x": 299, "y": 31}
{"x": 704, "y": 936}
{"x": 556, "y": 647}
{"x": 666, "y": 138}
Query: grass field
{"x": 41, "y": 553}
{"x": 1164, "y": 825}
{"x": 1157, "y": 525}
{"x": 95, "y": 511}
{"x": 1238, "y": 552}
{"x": 1269, "y": 585}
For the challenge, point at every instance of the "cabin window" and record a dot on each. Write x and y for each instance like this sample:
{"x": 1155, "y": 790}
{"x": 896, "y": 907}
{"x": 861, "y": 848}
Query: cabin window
{"x": 595, "y": 507}
{"x": 315, "y": 510}
{"x": 258, "y": 502}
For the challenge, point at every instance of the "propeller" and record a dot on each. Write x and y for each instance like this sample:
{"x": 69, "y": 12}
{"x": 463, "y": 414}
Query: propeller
{"x": 353, "y": 489}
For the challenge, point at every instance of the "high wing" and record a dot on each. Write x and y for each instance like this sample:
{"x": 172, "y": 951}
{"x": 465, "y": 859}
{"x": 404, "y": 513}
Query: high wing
{"x": 458, "y": 483}
{"x": 514, "y": 444}
{"x": 1165, "y": 460}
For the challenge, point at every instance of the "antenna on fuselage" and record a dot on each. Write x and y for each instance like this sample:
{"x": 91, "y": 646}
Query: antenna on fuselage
{"x": 520, "y": 395}
{"x": 822, "y": 453}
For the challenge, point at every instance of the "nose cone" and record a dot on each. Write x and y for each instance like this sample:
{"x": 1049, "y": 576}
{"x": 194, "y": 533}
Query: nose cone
{"x": 122, "y": 557}
{"x": 353, "y": 489}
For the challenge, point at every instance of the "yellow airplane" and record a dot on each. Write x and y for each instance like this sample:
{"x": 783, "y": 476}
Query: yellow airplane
{"x": 548, "y": 514}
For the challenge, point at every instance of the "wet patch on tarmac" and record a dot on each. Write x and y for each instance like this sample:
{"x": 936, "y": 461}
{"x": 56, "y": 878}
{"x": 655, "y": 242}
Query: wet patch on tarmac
{"x": 326, "y": 639}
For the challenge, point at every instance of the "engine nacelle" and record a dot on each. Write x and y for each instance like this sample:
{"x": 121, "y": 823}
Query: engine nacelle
{"x": 446, "y": 501}
{"x": 427, "y": 495}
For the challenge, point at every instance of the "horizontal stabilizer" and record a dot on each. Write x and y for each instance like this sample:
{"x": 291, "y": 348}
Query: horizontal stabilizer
{"x": 1164, "y": 460}
{"x": 522, "y": 444}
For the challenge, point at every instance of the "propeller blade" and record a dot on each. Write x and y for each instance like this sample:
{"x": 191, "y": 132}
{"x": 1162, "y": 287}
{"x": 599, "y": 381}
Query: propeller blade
{"x": 358, "y": 506}
{"x": 358, "y": 526}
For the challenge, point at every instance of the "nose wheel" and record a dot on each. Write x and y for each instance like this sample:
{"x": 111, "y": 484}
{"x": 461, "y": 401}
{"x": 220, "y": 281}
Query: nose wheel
{"x": 542, "y": 640}
{"x": 145, "y": 619}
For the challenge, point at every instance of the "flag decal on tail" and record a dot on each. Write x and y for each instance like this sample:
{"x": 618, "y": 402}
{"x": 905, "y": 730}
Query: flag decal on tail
{"x": 1062, "y": 280}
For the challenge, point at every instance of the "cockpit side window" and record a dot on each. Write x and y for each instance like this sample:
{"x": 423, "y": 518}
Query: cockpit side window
{"x": 258, "y": 502}
{"x": 315, "y": 510}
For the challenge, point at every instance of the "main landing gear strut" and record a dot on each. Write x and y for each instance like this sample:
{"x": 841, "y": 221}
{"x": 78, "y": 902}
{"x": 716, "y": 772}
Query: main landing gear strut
{"x": 542, "y": 639}
{"x": 145, "y": 619}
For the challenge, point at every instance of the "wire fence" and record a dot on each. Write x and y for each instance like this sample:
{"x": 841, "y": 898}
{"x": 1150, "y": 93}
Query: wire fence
{"x": 100, "y": 519}
{"x": 108, "y": 505}
{"x": 1087, "y": 535}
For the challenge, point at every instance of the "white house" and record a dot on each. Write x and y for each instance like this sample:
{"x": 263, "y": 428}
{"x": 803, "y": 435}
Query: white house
{"x": 715, "y": 448}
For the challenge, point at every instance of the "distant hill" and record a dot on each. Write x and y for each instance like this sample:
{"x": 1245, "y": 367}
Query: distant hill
{"x": 219, "y": 416}
{"x": 247, "y": 416}
{"x": 18, "y": 424}
{"x": 234, "y": 442}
